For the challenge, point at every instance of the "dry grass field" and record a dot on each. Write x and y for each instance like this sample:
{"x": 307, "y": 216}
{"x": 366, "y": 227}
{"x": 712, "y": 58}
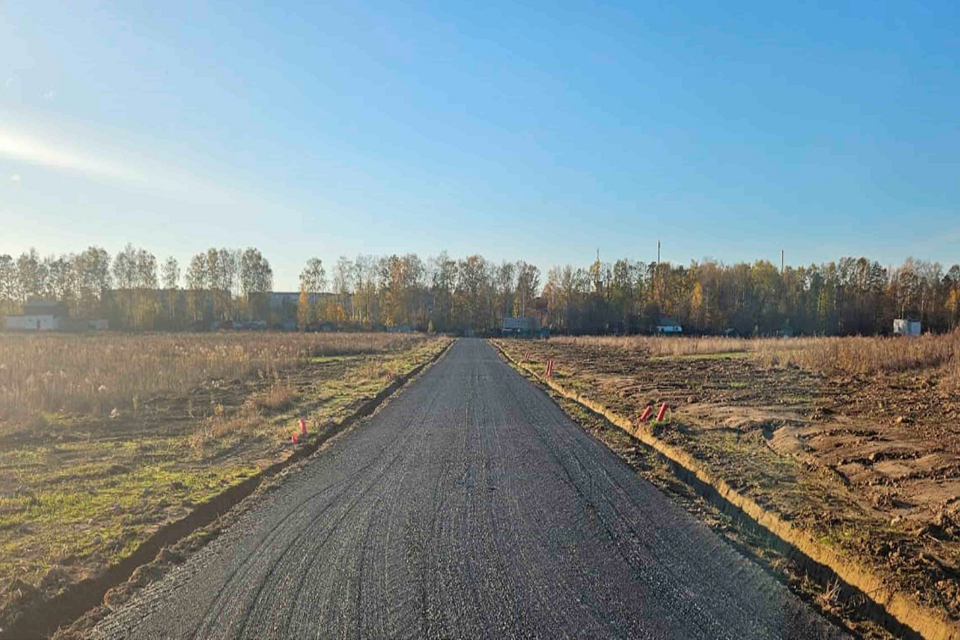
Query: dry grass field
{"x": 855, "y": 355}
{"x": 95, "y": 374}
{"x": 103, "y": 439}
{"x": 855, "y": 439}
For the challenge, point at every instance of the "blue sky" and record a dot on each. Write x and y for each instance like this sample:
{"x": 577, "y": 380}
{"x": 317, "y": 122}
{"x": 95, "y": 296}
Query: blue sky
{"x": 538, "y": 132}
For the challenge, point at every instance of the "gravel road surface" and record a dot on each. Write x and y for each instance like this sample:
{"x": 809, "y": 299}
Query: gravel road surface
{"x": 469, "y": 507}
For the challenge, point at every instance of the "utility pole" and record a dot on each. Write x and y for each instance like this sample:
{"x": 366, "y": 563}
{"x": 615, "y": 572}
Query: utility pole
{"x": 656, "y": 274}
{"x": 781, "y": 261}
{"x": 596, "y": 276}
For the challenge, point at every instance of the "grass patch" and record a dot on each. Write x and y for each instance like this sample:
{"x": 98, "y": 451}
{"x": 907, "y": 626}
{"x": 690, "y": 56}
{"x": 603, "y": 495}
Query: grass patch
{"x": 81, "y": 490}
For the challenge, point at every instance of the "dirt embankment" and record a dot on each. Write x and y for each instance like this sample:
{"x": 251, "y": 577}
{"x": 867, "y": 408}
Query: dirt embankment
{"x": 868, "y": 466}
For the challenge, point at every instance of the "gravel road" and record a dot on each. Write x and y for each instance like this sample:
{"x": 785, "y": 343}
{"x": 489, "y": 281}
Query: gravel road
{"x": 469, "y": 507}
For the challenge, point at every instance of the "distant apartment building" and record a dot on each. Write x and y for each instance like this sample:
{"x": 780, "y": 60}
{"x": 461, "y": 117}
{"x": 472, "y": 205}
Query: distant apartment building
{"x": 284, "y": 303}
{"x": 281, "y": 300}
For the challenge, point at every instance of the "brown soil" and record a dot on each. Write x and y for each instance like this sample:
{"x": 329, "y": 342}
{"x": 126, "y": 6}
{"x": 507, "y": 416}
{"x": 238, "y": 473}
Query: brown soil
{"x": 837, "y": 601}
{"x": 869, "y": 464}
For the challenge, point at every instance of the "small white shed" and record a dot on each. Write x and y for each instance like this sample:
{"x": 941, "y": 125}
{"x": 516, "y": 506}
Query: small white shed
{"x": 906, "y": 327}
{"x": 669, "y": 325}
{"x": 33, "y": 323}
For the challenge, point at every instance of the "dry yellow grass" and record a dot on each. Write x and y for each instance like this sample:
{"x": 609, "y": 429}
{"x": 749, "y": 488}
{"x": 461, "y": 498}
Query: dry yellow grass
{"x": 858, "y": 355}
{"x": 827, "y": 355}
{"x": 656, "y": 346}
{"x": 95, "y": 374}
{"x": 278, "y": 397}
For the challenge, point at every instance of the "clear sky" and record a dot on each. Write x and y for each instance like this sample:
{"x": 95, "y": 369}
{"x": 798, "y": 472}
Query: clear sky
{"x": 536, "y": 131}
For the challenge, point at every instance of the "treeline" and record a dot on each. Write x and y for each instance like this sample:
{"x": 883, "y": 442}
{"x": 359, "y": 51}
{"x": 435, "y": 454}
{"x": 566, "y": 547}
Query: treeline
{"x": 440, "y": 294}
{"x": 852, "y": 296}
{"x": 133, "y": 291}
{"x": 472, "y": 294}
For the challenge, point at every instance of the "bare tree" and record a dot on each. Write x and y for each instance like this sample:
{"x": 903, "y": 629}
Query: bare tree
{"x": 505, "y": 284}
{"x": 313, "y": 280}
{"x": 256, "y": 275}
{"x": 93, "y": 280}
{"x": 170, "y": 277}
{"x": 256, "y": 280}
{"x": 146, "y": 270}
{"x": 60, "y": 278}
{"x": 170, "y": 274}
{"x": 135, "y": 272}
{"x": 443, "y": 281}
{"x": 125, "y": 267}
{"x": 31, "y": 276}
{"x": 9, "y": 299}
{"x": 342, "y": 280}
{"x": 365, "y": 284}
{"x": 197, "y": 281}
{"x": 528, "y": 282}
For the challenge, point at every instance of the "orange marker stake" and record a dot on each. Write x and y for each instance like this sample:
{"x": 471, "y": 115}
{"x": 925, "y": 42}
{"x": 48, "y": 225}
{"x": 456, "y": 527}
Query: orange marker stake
{"x": 303, "y": 427}
{"x": 663, "y": 410}
{"x": 646, "y": 413}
